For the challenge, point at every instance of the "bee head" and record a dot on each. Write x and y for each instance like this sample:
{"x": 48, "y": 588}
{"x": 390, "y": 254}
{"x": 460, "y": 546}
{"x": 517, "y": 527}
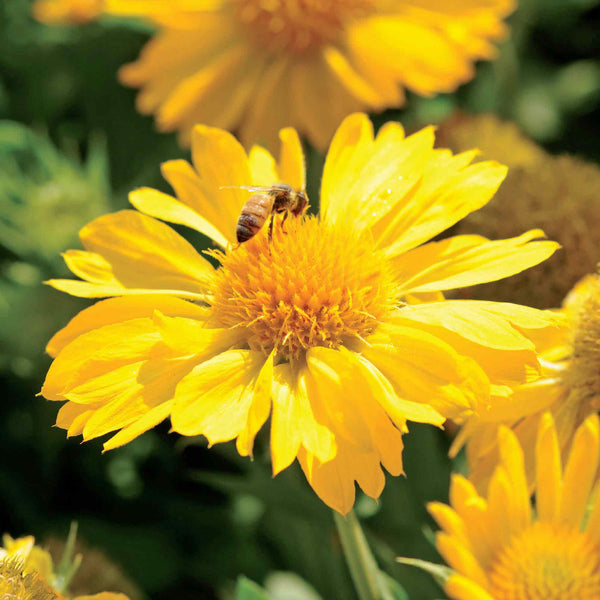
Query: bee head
{"x": 301, "y": 203}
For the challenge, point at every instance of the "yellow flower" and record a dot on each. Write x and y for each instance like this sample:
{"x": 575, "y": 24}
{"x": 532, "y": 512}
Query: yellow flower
{"x": 257, "y": 66}
{"x": 76, "y": 12}
{"x": 337, "y": 328}
{"x": 500, "y": 550}
{"x": 27, "y": 573}
{"x": 15, "y": 585}
{"x": 569, "y": 389}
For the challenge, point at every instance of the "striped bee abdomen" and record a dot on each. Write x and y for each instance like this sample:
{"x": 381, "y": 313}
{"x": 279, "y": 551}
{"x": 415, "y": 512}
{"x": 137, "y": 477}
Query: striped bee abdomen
{"x": 253, "y": 216}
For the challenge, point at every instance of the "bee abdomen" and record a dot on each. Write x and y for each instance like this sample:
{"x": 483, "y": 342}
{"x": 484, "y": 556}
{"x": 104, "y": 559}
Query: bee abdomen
{"x": 247, "y": 227}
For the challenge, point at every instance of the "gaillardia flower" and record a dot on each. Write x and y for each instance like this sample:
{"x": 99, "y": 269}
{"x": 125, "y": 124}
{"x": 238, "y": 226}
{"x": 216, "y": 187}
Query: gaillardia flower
{"x": 27, "y": 573}
{"x": 256, "y": 66}
{"x": 499, "y": 549}
{"x": 336, "y": 327}
{"x": 569, "y": 388}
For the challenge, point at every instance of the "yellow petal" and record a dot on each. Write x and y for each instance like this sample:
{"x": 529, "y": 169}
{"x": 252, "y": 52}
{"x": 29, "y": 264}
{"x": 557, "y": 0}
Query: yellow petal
{"x": 580, "y": 472}
{"x": 262, "y": 166}
{"x": 193, "y": 192}
{"x": 134, "y": 254}
{"x": 291, "y": 165}
{"x": 271, "y": 106}
{"x": 329, "y": 481}
{"x": 460, "y": 558}
{"x": 147, "y": 421}
{"x": 130, "y": 394}
{"x": 331, "y": 382}
{"x": 285, "y": 435}
{"x": 115, "y": 310}
{"x": 448, "y": 520}
{"x": 424, "y": 369}
{"x": 352, "y": 398}
{"x": 511, "y": 457}
{"x": 162, "y": 206}
{"x": 462, "y": 588}
{"x": 213, "y": 400}
{"x": 494, "y": 324}
{"x": 101, "y": 350}
{"x": 220, "y": 160}
{"x": 525, "y": 400}
{"x": 447, "y": 192}
{"x": 260, "y": 409}
{"x": 348, "y": 151}
{"x": 499, "y": 508}
{"x": 333, "y": 481}
{"x": 188, "y": 337}
{"x": 468, "y": 260}
{"x": 73, "y": 417}
{"x": 83, "y": 289}
{"x": 548, "y": 471}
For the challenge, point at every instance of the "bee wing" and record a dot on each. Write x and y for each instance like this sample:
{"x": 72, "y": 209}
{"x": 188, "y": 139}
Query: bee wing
{"x": 250, "y": 188}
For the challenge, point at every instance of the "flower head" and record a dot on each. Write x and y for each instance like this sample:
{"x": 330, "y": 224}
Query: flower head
{"x": 500, "y": 549}
{"x": 560, "y": 194}
{"x": 569, "y": 388}
{"x": 335, "y": 327}
{"x": 259, "y": 66}
{"x": 27, "y": 572}
{"x": 14, "y": 584}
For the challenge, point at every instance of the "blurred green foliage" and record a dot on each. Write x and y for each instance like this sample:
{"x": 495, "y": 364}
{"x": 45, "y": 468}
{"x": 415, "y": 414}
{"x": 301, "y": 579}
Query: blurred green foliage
{"x": 181, "y": 520}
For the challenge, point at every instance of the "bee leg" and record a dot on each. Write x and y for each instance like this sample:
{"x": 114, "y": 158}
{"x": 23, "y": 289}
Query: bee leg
{"x": 270, "y": 232}
{"x": 285, "y": 216}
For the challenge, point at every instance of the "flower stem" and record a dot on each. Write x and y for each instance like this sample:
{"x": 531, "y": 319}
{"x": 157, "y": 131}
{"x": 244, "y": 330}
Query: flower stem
{"x": 364, "y": 570}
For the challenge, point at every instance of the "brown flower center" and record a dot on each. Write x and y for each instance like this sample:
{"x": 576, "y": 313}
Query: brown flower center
{"x": 297, "y": 25}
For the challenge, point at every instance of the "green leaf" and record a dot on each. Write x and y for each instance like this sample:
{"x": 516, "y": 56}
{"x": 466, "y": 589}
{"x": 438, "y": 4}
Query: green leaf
{"x": 248, "y": 590}
{"x": 439, "y": 572}
{"x": 396, "y": 590}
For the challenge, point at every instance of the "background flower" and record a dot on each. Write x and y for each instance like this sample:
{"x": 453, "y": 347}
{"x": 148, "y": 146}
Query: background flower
{"x": 257, "y": 67}
{"x": 499, "y": 548}
{"x": 560, "y": 194}
{"x": 569, "y": 389}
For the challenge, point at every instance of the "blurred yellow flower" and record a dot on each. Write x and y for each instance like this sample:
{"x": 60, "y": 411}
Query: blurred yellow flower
{"x": 500, "y": 549}
{"x": 257, "y": 66}
{"x": 75, "y": 12}
{"x": 27, "y": 573}
{"x": 569, "y": 389}
{"x": 15, "y": 585}
{"x": 337, "y": 327}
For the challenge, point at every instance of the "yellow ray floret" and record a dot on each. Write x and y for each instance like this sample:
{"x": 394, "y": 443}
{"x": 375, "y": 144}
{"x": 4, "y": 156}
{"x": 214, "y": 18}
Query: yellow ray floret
{"x": 499, "y": 549}
{"x": 334, "y": 327}
{"x": 255, "y": 66}
{"x": 569, "y": 388}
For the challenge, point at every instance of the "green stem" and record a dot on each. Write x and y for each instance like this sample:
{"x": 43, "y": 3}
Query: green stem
{"x": 361, "y": 563}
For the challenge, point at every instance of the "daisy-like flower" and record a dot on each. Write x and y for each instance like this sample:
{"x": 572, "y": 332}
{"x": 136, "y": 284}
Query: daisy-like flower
{"x": 74, "y": 12}
{"x": 257, "y": 66}
{"x": 499, "y": 549}
{"x": 27, "y": 573}
{"x": 569, "y": 389}
{"x": 336, "y": 327}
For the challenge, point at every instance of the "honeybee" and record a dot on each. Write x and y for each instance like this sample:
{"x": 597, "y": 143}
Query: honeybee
{"x": 266, "y": 203}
